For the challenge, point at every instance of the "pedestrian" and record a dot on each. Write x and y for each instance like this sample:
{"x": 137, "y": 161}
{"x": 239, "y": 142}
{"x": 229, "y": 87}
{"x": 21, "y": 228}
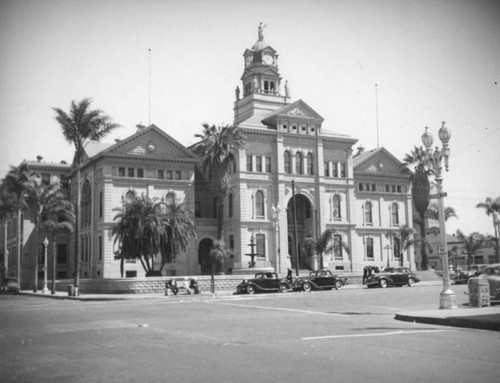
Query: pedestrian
{"x": 289, "y": 275}
{"x": 365, "y": 274}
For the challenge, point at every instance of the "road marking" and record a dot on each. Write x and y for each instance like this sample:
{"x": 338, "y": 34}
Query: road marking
{"x": 373, "y": 334}
{"x": 279, "y": 309}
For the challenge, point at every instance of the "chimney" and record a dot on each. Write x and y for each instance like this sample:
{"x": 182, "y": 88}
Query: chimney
{"x": 360, "y": 150}
{"x": 39, "y": 158}
{"x": 140, "y": 127}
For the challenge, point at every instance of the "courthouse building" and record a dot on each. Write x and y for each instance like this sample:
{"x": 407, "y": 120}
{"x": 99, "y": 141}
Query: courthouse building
{"x": 290, "y": 155}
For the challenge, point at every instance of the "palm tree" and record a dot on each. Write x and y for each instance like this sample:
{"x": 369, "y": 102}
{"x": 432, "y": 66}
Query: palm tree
{"x": 79, "y": 127}
{"x": 433, "y": 214}
{"x": 407, "y": 237}
{"x": 13, "y": 189}
{"x": 329, "y": 242}
{"x": 60, "y": 217}
{"x": 216, "y": 149}
{"x": 492, "y": 207}
{"x": 39, "y": 201}
{"x": 217, "y": 253}
{"x": 140, "y": 231}
{"x": 180, "y": 227}
{"x": 472, "y": 243}
{"x": 423, "y": 167}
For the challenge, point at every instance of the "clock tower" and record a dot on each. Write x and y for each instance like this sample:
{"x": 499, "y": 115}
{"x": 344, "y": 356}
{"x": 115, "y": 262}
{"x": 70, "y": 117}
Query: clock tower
{"x": 261, "y": 82}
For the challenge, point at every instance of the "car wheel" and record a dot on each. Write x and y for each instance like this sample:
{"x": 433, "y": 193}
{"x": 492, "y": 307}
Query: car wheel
{"x": 307, "y": 287}
{"x": 250, "y": 289}
{"x": 411, "y": 282}
{"x": 338, "y": 285}
{"x": 283, "y": 288}
{"x": 383, "y": 283}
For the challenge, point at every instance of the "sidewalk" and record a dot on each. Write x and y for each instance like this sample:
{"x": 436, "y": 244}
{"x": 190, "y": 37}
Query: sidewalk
{"x": 484, "y": 318}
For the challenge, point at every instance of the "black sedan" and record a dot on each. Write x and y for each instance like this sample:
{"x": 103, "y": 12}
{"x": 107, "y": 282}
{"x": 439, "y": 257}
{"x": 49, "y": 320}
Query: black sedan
{"x": 393, "y": 276}
{"x": 320, "y": 280}
{"x": 263, "y": 282}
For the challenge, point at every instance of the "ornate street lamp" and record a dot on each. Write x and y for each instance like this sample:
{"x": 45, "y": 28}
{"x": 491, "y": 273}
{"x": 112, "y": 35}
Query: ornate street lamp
{"x": 447, "y": 296}
{"x": 45, "y": 290}
{"x": 276, "y": 218}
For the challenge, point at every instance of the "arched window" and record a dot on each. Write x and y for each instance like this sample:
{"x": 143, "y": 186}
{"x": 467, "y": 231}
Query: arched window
{"x": 336, "y": 208}
{"x": 259, "y": 204}
{"x": 230, "y": 205}
{"x": 310, "y": 164}
{"x": 299, "y": 163}
{"x": 368, "y": 214}
{"x": 272, "y": 87}
{"x": 288, "y": 162}
{"x": 395, "y": 214}
{"x": 86, "y": 204}
{"x": 266, "y": 86}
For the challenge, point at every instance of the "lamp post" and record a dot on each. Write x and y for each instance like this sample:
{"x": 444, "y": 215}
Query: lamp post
{"x": 276, "y": 219}
{"x": 447, "y": 296}
{"x": 45, "y": 290}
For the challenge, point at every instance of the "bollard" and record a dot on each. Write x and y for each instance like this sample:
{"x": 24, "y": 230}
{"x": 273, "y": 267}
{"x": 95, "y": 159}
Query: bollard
{"x": 479, "y": 292}
{"x": 71, "y": 290}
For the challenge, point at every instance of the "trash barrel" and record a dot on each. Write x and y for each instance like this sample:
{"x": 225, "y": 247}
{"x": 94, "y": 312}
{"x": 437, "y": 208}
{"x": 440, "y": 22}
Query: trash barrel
{"x": 479, "y": 292}
{"x": 71, "y": 290}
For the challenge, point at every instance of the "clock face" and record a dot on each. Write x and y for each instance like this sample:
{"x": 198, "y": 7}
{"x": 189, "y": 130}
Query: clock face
{"x": 248, "y": 60}
{"x": 268, "y": 59}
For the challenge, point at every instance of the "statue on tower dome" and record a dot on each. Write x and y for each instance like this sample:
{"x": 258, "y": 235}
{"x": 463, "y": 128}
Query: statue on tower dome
{"x": 261, "y": 31}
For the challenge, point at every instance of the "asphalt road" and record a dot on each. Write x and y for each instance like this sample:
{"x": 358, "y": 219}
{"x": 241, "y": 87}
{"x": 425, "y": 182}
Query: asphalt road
{"x": 348, "y": 336}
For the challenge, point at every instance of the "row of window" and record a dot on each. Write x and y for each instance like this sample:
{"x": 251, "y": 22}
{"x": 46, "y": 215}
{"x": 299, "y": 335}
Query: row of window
{"x": 374, "y": 187}
{"x": 368, "y": 214}
{"x": 301, "y": 165}
{"x": 139, "y": 173}
{"x": 335, "y": 169}
{"x": 370, "y": 254}
{"x": 262, "y": 164}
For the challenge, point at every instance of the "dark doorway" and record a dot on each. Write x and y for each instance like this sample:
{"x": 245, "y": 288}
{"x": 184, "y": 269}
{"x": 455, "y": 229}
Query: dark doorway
{"x": 203, "y": 256}
{"x": 304, "y": 217}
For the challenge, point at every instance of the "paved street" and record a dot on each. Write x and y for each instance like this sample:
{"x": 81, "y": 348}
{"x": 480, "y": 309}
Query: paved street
{"x": 347, "y": 335}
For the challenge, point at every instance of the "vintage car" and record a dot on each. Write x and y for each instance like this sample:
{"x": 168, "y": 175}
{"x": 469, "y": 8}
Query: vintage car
{"x": 320, "y": 280}
{"x": 10, "y": 286}
{"x": 263, "y": 282}
{"x": 462, "y": 277}
{"x": 492, "y": 273}
{"x": 393, "y": 276}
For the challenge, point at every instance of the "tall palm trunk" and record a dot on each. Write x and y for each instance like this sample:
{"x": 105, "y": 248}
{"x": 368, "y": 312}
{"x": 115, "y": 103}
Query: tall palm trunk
{"x": 77, "y": 229}
{"x": 423, "y": 249}
{"x": 37, "y": 250}
{"x": 54, "y": 254}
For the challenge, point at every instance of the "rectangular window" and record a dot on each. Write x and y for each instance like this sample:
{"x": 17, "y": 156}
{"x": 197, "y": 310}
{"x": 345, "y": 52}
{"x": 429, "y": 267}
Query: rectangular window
{"x": 63, "y": 181}
{"x": 161, "y": 174}
{"x": 343, "y": 170}
{"x": 268, "y": 164}
{"x": 259, "y": 164}
{"x": 361, "y": 187}
{"x": 121, "y": 172}
{"x": 197, "y": 209}
{"x": 140, "y": 173}
{"x": 374, "y": 187}
{"x": 335, "y": 167}
{"x": 101, "y": 203}
{"x": 249, "y": 163}
{"x": 131, "y": 172}
{"x": 387, "y": 188}
{"x": 100, "y": 247}
{"x": 393, "y": 188}
{"x": 369, "y": 248}
{"x": 178, "y": 175}
{"x": 169, "y": 174}
{"x": 327, "y": 170}
{"x": 260, "y": 240}
{"x": 231, "y": 242}
{"x": 62, "y": 254}
{"x": 399, "y": 188}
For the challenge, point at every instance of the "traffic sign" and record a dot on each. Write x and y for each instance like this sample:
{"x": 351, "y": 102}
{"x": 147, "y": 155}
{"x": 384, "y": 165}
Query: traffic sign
{"x": 438, "y": 195}
{"x": 441, "y": 249}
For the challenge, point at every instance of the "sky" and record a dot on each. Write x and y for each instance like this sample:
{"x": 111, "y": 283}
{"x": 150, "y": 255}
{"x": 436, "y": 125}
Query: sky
{"x": 377, "y": 70}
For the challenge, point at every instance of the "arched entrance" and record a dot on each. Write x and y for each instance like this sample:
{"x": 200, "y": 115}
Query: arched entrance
{"x": 304, "y": 220}
{"x": 203, "y": 256}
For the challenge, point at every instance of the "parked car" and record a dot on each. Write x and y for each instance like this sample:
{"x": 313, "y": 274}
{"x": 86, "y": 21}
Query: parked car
{"x": 462, "y": 277}
{"x": 10, "y": 286}
{"x": 393, "y": 276}
{"x": 492, "y": 273}
{"x": 320, "y": 280}
{"x": 264, "y": 281}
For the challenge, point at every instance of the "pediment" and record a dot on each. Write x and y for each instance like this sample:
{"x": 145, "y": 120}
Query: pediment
{"x": 298, "y": 109}
{"x": 150, "y": 142}
{"x": 378, "y": 161}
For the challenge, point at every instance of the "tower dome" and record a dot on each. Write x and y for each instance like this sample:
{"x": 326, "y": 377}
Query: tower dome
{"x": 259, "y": 45}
